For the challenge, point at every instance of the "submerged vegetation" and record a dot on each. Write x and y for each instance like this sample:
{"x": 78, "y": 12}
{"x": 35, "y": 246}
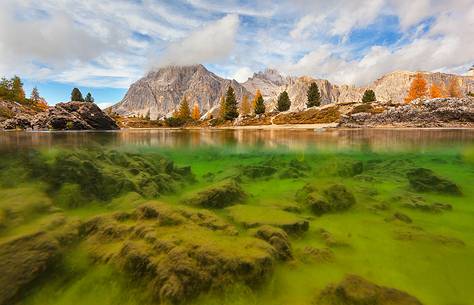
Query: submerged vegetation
{"x": 234, "y": 224}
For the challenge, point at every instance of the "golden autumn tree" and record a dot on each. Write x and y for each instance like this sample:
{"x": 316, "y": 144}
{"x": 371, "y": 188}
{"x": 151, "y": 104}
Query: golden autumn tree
{"x": 245, "y": 106}
{"x": 222, "y": 108}
{"x": 435, "y": 91}
{"x": 184, "y": 112}
{"x": 417, "y": 88}
{"x": 453, "y": 88}
{"x": 196, "y": 114}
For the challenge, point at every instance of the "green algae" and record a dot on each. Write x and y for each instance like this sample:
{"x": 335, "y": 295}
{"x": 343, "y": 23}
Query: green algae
{"x": 430, "y": 258}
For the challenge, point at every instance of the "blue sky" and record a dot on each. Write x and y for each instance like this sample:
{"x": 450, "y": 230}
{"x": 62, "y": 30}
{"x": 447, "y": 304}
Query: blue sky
{"x": 102, "y": 46}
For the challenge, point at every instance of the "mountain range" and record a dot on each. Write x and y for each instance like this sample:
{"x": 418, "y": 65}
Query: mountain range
{"x": 160, "y": 92}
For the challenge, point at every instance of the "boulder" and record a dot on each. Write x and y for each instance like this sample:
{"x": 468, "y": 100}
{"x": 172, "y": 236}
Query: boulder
{"x": 22, "y": 261}
{"x": 219, "y": 196}
{"x": 425, "y": 180}
{"x": 334, "y": 198}
{"x": 399, "y": 216}
{"x": 277, "y": 238}
{"x": 64, "y": 116}
{"x": 355, "y": 290}
{"x": 258, "y": 171}
{"x": 431, "y": 208}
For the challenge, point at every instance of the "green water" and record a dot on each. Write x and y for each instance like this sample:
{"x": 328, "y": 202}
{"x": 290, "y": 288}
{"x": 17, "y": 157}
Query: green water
{"x": 435, "y": 264}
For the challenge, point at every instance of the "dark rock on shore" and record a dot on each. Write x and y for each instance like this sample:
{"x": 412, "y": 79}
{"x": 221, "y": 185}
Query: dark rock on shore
{"x": 355, "y": 290}
{"x": 63, "y": 116}
{"x": 425, "y": 180}
{"x": 440, "y": 112}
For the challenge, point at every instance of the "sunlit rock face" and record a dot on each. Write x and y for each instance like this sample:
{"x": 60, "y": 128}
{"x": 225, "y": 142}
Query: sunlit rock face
{"x": 161, "y": 91}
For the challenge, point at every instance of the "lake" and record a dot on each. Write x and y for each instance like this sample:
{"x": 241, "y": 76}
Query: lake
{"x": 234, "y": 216}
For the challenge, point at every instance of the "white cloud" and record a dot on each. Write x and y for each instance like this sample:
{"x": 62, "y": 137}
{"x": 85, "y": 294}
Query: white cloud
{"x": 213, "y": 42}
{"x": 242, "y": 74}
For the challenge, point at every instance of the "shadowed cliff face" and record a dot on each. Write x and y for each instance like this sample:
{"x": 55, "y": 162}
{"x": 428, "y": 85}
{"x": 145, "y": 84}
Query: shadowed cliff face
{"x": 161, "y": 91}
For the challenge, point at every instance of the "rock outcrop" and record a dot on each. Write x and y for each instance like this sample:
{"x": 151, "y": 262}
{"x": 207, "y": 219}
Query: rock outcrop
{"x": 442, "y": 112}
{"x": 161, "y": 91}
{"x": 63, "y": 116}
{"x": 355, "y": 290}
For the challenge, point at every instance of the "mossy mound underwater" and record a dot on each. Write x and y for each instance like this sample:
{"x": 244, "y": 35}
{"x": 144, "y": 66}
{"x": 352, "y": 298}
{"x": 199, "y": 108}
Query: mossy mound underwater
{"x": 224, "y": 225}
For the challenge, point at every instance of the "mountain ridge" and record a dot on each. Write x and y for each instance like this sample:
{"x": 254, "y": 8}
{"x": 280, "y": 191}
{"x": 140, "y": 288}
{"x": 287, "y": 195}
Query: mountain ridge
{"x": 160, "y": 91}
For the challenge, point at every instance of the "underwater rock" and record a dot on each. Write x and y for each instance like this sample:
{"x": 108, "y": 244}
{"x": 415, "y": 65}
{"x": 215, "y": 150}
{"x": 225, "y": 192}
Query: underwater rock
{"x": 179, "y": 262}
{"x": 399, "y": 216}
{"x": 219, "y": 196}
{"x": 330, "y": 240}
{"x": 425, "y": 180}
{"x": 431, "y": 208}
{"x": 312, "y": 254}
{"x": 331, "y": 199}
{"x": 22, "y": 261}
{"x": 425, "y": 236}
{"x": 350, "y": 168}
{"x": 258, "y": 171}
{"x": 255, "y": 216}
{"x": 355, "y": 290}
{"x": 277, "y": 238}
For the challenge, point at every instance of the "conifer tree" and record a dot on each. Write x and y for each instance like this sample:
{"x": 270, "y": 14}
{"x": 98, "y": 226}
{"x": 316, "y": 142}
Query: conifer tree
{"x": 313, "y": 95}
{"x": 76, "y": 95}
{"x": 89, "y": 98}
{"x": 231, "y": 111}
{"x": 184, "y": 112}
{"x": 259, "y": 105}
{"x": 369, "y": 96}
{"x": 284, "y": 102}
{"x": 147, "y": 115}
{"x": 245, "y": 106}
{"x": 196, "y": 115}
{"x": 417, "y": 88}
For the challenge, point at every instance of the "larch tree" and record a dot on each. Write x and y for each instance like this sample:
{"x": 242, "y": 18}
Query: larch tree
{"x": 313, "y": 95}
{"x": 196, "y": 115}
{"x": 17, "y": 89}
{"x": 35, "y": 96}
{"x": 76, "y": 95}
{"x": 453, "y": 88}
{"x": 184, "y": 112}
{"x": 435, "y": 91}
{"x": 417, "y": 88}
{"x": 231, "y": 111}
{"x": 222, "y": 108}
{"x": 259, "y": 104}
{"x": 283, "y": 103}
{"x": 369, "y": 96}
{"x": 245, "y": 106}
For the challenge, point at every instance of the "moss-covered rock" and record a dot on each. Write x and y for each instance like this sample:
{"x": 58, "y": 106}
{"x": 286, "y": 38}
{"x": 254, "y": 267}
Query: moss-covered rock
{"x": 355, "y": 290}
{"x": 178, "y": 261}
{"x": 255, "y": 216}
{"x": 431, "y": 208}
{"x": 425, "y": 180}
{"x": 277, "y": 238}
{"x": 334, "y": 198}
{"x": 258, "y": 171}
{"x": 22, "y": 261}
{"x": 218, "y": 196}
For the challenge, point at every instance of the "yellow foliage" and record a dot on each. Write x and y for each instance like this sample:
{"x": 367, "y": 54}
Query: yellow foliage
{"x": 453, "y": 88}
{"x": 417, "y": 89}
{"x": 436, "y": 92}
{"x": 245, "y": 106}
{"x": 257, "y": 95}
{"x": 184, "y": 112}
{"x": 196, "y": 115}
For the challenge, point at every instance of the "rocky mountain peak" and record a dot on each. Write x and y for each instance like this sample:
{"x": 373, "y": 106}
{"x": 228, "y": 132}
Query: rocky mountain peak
{"x": 160, "y": 91}
{"x": 471, "y": 71}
